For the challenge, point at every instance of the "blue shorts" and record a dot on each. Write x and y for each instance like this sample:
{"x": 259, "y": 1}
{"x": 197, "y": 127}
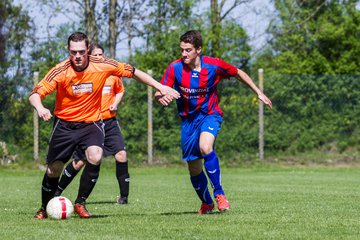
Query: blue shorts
{"x": 192, "y": 127}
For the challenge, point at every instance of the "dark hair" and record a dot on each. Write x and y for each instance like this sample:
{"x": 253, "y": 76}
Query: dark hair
{"x": 193, "y": 37}
{"x": 95, "y": 45}
{"x": 78, "y": 37}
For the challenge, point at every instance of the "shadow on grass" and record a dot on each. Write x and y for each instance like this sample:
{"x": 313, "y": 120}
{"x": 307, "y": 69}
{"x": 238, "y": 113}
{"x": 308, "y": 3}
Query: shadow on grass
{"x": 143, "y": 214}
{"x": 99, "y": 216}
{"x": 92, "y": 217}
{"x": 186, "y": 213}
{"x": 101, "y": 202}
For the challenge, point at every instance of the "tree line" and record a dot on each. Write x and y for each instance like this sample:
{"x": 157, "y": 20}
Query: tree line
{"x": 311, "y": 63}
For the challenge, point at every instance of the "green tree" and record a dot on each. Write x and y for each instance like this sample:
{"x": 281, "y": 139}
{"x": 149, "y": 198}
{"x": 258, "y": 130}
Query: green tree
{"x": 219, "y": 12}
{"x": 314, "y": 37}
{"x": 16, "y": 37}
{"x": 312, "y": 67}
{"x": 44, "y": 56}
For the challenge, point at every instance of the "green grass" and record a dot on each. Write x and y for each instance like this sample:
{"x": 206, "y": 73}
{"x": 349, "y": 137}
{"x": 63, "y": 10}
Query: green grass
{"x": 267, "y": 203}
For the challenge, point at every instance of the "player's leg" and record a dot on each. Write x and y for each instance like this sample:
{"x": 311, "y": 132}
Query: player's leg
{"x": 90, "y": 174}
{"x": 48, "y": 186}
{"x": 190, "y": 132}
{"x": 209, "y": 130}
{"x": 69, "y": 173}
{"x": 91, "y": 139}
{"x": 114, "y": 145}
{"x": 60, "y": 150}
{"x": 123, "y": 176}
{"x": 200, "y": 184}
{"x": 211, "y": 161}
{"x": 88, "y": 180}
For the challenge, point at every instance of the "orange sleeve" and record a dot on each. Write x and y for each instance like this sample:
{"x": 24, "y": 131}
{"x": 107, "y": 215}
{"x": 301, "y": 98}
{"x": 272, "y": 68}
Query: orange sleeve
{"x": 121, "y": 69}
{"x": 51, "y": 80}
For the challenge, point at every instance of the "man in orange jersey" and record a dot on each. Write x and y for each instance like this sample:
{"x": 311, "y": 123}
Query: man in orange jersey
{"x": 114, "y": 145}
{"x": 78, "y": 82}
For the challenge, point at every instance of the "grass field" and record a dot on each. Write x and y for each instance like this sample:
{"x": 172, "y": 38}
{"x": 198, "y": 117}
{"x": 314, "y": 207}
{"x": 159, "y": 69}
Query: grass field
{"x": 267, "y": 203}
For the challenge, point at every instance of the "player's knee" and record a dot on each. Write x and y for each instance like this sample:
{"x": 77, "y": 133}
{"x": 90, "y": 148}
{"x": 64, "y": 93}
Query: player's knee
{"x": 94, "y": 154}
{"x": 206, "y": 149}
{"x": 121, "y": 156}
{"x": 94, "y": 158}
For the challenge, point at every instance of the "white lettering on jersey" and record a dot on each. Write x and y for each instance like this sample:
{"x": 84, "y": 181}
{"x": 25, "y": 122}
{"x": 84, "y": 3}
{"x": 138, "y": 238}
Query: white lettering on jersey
{"x": 106, "y": 90}
{"x": 82, "y": 88}
{"x": 194, "y": 90}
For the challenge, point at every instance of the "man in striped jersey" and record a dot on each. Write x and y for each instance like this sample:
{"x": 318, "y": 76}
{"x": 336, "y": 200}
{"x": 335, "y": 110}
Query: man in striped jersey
{"x": 196, "y": 77}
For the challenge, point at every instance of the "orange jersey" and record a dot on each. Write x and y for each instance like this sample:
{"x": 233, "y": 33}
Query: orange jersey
{"x": 113, "y": 86}
{"x": 78, "y": 94}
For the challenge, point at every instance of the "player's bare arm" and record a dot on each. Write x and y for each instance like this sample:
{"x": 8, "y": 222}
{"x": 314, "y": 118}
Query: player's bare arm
{"x": 43, "y": 112}
{"x": 243, "y": 77}
{"x": 118, "y": 98}
{"x": 148, "y": 80}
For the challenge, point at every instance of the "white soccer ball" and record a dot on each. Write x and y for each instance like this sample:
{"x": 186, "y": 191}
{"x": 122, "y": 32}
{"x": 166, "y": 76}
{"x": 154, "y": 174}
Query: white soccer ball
{"x": 59, "y": 208}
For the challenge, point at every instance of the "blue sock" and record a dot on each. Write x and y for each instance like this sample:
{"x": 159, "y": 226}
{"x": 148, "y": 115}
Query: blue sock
{"x": 200, "y": 185}
{"x": 212, "y": 168}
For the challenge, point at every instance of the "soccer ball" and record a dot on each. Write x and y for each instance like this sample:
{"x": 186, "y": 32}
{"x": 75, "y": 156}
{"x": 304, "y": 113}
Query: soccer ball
{"x": 59, "y": 208}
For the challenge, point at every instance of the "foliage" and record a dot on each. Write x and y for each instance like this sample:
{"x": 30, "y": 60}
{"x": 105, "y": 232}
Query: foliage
{"x": 314, "y": 37}
{"x": 313, "y": 42}
{"x": 311, "y": 75}
{"x": 133, "y": 120}
{"x": 49, "y": 53}
{"x": 234, "y": 44}
{"x": 313, "y": 111}
{"x": 16, "y": 36}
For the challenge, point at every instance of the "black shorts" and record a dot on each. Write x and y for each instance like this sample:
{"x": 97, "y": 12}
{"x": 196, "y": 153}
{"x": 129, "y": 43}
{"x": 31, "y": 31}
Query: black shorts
{"x": 68, "y": 136}
{"x": 113, "y": 143}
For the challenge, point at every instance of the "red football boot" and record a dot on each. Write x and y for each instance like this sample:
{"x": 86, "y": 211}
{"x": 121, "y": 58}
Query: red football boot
{"x": 41, "y": 214}
{"x": 222, "y": 202}
{"x": 80, "y": 209}
{"x": 206, "y": 208}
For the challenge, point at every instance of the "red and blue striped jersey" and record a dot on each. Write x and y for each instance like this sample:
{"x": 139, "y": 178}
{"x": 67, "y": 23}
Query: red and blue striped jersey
{"x": 198, "y": 89}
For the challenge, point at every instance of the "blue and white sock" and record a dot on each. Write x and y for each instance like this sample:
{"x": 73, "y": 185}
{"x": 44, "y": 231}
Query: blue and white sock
{"x": 212, "y": 167}
{"x": 200, "y": 184}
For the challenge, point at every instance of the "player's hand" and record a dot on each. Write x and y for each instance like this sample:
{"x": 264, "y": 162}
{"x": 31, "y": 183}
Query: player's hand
{"x": 113, "y": 107}
{"x": 169, "y": 91}
{"x": 44, "y": 114}
{"x": 164, "y": 100}
{"x": 265, "y": 100}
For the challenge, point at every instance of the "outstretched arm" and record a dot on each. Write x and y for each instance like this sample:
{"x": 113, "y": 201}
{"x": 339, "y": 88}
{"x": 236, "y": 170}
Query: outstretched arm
{"x": 43, "y": 112}
{"x": 148, "y": 80}
{"x": 243, "y": 77}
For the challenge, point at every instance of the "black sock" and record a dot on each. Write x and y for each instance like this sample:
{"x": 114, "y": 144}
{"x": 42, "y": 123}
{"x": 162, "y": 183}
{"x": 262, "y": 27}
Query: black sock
{"x": 68, "y": 175}
{"x": 88, "y": 180}
{"x": 123, "y": 177}
{"x": 48, "y": 188}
